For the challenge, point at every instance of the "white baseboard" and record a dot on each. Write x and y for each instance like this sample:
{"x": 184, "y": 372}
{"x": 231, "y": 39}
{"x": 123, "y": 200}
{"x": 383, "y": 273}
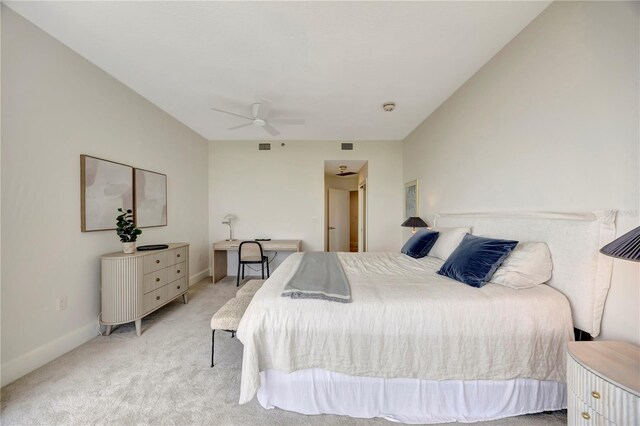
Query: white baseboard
{"x": 199, "y": 277}
{"x": 38, "y": 357}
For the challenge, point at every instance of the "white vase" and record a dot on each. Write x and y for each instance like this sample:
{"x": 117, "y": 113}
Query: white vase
{"x": 129, "y": 247}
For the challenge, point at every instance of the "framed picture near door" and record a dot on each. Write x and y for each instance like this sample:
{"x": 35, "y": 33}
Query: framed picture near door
{"x": 411, "y": 199}
{"x": 150, "y": 196}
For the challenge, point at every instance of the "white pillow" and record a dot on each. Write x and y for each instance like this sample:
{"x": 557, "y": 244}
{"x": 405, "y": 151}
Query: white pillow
{"x": 448, "y": 240}
{"x": 528, "y": 265}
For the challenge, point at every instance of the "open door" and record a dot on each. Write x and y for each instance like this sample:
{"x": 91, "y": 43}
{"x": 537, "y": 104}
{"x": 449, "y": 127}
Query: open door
{"x": 338, "y": 220}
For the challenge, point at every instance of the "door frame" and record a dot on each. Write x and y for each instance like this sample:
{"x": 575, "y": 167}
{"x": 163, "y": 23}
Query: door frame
{"x": 363, "y": 215}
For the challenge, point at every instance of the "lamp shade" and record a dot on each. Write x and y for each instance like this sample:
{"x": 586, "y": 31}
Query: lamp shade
{"x": 626, "y": 247}
{"x": 414, "y": 222}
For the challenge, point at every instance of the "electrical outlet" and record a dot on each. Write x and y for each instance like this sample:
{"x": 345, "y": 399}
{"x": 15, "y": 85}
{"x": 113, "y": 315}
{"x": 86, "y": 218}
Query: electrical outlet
{"x": 61, "y": 303}
{"x": 314, "y": 220}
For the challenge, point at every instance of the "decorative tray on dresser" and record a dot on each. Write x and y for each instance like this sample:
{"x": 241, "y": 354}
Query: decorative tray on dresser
{"x": 134, "y": 285}
{"x": 603, "y": 382}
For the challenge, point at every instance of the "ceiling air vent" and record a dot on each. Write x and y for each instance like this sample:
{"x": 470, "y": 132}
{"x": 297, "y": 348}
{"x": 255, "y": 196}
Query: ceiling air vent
{"x": 347, "y": 146}
{"x": 264, "y": 147}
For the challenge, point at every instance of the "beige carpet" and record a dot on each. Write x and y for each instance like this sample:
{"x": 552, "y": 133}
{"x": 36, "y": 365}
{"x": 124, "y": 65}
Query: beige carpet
{"x": 162, "y": 377}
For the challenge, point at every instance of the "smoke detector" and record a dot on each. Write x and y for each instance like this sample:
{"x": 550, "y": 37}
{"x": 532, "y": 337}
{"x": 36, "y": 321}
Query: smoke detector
{"x": 389, "y": 106}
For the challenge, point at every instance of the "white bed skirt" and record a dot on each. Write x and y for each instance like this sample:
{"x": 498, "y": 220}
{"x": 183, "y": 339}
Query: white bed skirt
{"x": 317, "y": 391}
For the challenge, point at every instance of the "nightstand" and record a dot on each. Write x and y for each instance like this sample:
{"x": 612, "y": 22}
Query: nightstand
{"x": 603, "y": 383}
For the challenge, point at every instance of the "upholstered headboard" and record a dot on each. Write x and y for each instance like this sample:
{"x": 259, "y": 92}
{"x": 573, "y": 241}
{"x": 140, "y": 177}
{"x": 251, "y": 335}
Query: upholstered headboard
{"x": 580, "y": 272}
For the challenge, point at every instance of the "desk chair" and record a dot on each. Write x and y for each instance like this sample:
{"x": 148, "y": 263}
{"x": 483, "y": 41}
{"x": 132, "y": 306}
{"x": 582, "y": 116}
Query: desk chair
{"x": 250, "y": 252}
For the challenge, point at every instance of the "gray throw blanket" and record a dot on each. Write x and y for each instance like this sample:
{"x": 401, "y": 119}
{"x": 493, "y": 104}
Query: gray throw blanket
{"x": 319, "y": 276}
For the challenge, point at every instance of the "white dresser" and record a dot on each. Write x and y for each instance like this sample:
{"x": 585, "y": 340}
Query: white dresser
{"x": 603, "y": 380}
{"x": 134, "y": 285}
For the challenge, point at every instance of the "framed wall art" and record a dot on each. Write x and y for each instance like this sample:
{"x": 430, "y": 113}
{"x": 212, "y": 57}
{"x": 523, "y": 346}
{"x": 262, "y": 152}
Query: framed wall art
{"x": 150, "y": 194}
{"x": 411, "y": 199}
{"x": 105, "y": 186}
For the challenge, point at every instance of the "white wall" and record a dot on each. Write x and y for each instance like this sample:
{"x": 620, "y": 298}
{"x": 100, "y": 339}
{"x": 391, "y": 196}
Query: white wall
{"x": 550, "y": 123}
{"x": 56, "y": 106}
{"x": 279, "y": 194}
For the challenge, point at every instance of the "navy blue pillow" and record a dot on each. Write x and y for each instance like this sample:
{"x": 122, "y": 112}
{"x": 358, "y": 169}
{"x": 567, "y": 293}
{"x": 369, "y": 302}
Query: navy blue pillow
{"x": 475, "y": 260}
{"x": 420, "y": 243}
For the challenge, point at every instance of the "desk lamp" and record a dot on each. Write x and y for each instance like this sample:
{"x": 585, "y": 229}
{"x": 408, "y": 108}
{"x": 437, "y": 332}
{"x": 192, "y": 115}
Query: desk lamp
{"x": 228, "y": 221}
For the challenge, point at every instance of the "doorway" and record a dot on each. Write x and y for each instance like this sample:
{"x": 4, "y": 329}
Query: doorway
{"x": 345, "y": 205}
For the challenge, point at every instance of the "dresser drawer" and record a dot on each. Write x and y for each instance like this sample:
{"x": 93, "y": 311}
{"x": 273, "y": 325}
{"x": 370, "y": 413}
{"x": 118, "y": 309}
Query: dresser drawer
{"x": 176, "y": 271}
{"x": 177, "y": 287}
{"x": 155, "y": 261}
{"x": 176, "y": 256}
{"x": 155, "y": 280}
{"x": 155, "y": 298}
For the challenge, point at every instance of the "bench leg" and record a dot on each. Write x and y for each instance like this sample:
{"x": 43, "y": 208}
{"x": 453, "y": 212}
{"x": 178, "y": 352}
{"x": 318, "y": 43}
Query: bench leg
{"x": 213, "y": 335}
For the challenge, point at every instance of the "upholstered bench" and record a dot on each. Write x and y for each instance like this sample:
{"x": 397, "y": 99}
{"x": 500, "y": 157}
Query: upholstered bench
{"x": 228, "y": 317}
{"x": 250, "y": 288}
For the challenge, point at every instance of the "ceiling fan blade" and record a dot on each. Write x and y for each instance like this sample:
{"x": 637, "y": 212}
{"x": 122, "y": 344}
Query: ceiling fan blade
{"x": 240, "y": 126}
{"x": 231, "y": 113}
{"x": 264, "y": 109}
{"x": 271, "y": 130}
{"x": 287, "y": 120}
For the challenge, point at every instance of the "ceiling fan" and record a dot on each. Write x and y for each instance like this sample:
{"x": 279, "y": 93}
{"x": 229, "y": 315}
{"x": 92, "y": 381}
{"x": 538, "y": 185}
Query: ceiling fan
{"x": 259, "y": 113}
{"x": 344, "y": 172}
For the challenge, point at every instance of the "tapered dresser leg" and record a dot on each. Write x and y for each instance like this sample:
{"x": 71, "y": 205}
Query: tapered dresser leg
{"x": 139, "y": 326}
{"x": 185, "y": 298}
{"x": 107, "y": 331}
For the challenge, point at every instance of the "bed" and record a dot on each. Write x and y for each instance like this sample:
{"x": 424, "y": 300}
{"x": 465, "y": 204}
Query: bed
{"x": 417, "y": 347}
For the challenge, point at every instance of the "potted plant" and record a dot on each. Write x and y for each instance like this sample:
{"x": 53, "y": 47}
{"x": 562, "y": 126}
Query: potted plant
{"x": 127, "y": 231}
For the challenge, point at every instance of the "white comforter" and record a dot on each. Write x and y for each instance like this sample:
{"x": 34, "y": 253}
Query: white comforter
{"x": 406, "y": 321}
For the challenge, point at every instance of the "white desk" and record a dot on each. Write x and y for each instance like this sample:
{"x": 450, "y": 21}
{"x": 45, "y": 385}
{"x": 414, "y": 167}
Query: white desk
{"x": 220, "y": 249}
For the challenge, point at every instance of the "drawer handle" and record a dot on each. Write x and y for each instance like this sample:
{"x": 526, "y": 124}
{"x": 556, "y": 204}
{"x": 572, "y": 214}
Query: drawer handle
{"x": 178, "y": 271}
{"x": 595, "y": 394}
{"x": 585, "y": 415}
{"x": 178, "y": 287}
{"x": 178, "y": 255}
{"x": 157, "y": 297}
{"x": 157, "y": 260}
{"x": 157, "y": 280}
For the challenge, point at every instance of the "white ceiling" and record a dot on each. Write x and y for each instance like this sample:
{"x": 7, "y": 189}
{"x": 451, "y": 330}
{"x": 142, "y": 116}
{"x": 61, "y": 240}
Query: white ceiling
{"x": 333, "y": 63}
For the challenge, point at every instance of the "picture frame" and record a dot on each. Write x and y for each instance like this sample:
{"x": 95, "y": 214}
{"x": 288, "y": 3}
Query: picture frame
{"x": 150, "y": 198}
{"x": 411, "y": 206}
{"x": 105, "y": 186}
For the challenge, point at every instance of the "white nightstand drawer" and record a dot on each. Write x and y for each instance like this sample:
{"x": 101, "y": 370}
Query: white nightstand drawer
{"x": 579, "y": 414}
{"x": 591, "y": 389}
{"x": 603, "y": 381}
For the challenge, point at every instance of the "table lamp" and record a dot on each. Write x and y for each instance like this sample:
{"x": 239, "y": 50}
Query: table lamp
{"x": 626, "y": 247}
{"x": 227, "y": 221}
{"x": 414, "y": 222}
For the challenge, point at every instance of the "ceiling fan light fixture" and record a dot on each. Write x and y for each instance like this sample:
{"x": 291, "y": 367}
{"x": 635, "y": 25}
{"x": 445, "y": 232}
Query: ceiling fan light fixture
{"x": 259, "y": 122}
